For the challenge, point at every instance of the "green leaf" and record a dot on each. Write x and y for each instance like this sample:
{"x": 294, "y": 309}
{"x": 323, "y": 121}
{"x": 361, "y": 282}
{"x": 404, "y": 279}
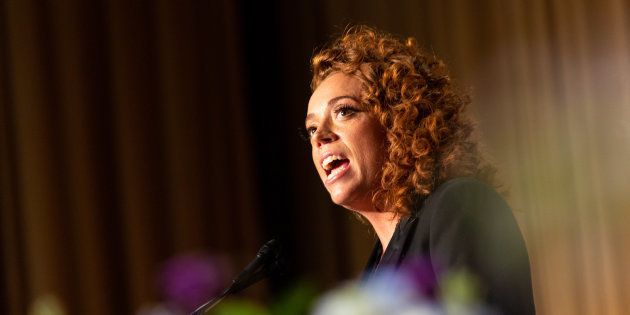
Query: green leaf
{"x": 239, "y": 307}
{"x": 297, "y": 300}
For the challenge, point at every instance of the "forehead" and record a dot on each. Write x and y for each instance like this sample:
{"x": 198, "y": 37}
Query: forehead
{"x": 335, "y": 85}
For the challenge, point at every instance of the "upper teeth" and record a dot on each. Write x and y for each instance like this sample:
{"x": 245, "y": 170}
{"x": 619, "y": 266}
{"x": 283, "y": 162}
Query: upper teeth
{"x": 327, "y": 163}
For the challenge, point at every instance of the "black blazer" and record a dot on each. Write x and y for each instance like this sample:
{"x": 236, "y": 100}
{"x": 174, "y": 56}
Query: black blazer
{"x": 466, "y": 223}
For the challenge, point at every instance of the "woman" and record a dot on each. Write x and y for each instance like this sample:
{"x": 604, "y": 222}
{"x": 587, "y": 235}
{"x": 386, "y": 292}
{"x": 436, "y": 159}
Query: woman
{"x": 390, "y": 142}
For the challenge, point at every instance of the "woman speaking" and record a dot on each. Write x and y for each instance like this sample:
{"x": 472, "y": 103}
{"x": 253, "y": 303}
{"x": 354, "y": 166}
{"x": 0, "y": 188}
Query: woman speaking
{"x": 390, "y": 142}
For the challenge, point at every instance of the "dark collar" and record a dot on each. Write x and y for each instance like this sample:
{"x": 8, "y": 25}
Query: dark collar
{"x": 396, "y": 249}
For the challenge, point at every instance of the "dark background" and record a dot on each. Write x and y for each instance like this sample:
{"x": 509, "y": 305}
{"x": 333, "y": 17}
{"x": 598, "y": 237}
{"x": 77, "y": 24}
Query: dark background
{"x": 134, "y": 131}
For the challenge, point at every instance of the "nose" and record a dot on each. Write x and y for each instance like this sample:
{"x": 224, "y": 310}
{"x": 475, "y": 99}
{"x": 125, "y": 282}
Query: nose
{"x": 324, "y": 135}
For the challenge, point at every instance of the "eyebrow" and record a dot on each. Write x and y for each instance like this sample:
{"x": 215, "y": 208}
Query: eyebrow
{"x": 333, "y": 101}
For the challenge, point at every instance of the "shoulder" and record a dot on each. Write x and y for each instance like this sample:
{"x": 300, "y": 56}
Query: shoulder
{"x": 463, "y": 196}
{"x": 467, "y": 221}
{"x": 463, "y": 189}
{"x": 467, "y": 224}
{"x": 465, "y": 216}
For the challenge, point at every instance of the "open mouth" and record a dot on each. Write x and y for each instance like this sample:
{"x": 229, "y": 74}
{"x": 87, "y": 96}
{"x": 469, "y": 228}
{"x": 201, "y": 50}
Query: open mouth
{"x": 334, "y": 164}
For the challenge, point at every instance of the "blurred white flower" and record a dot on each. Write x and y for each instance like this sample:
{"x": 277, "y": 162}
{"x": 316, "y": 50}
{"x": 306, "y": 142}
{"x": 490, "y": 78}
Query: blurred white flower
{"x": 387, "y": 292}
{"x": 405, "y": 292}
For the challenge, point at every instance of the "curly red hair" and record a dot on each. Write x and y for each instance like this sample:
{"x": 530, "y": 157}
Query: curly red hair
{"x": 410, "y": 92}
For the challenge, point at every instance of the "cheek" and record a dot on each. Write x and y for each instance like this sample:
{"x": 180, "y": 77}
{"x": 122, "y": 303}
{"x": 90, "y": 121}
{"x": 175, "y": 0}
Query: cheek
{"x": 374, "y": 150}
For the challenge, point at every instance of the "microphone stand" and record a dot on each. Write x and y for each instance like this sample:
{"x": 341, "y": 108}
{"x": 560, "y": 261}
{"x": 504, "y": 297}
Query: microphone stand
{"x": 210, "y": 304}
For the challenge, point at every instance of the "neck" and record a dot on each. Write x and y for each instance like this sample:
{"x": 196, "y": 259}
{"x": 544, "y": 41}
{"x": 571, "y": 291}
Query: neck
{"x": 384, "y": 224}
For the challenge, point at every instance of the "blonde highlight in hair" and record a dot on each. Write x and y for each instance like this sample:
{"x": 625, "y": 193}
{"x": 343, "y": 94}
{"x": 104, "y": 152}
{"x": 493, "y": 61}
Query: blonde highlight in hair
{"x": 410, "y": 93}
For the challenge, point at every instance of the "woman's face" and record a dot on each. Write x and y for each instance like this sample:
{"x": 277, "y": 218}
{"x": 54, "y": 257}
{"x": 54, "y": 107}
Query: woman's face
{"x": 347, "y": 142}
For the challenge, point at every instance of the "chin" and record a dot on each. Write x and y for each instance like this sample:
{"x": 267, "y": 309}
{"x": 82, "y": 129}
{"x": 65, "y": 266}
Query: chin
{"x": 345, "y": 199}
{"x": 339, "y": 198}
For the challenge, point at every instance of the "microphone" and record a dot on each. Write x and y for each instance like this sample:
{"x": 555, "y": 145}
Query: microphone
{"x": 268, "y": 260}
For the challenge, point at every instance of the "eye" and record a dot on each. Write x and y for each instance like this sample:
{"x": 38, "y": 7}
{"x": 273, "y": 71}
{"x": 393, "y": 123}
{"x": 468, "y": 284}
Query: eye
{"x": 303, "y": 134}
{"x": 310, "y": 131}
{"x": 345, "y": 111}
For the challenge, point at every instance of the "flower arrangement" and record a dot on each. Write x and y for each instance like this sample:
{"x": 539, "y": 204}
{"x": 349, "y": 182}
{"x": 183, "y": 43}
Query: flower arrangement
{"x": 411, "y": 289}
{"x": 188, "y": 281}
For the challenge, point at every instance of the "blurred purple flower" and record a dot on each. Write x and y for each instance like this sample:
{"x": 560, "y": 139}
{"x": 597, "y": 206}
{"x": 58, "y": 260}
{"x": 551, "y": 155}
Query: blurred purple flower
{"x": 188, "y": 281}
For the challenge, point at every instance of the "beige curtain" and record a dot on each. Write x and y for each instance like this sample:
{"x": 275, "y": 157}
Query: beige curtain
{"x": 125, "y": 138}
{"x": 109, "y": 137}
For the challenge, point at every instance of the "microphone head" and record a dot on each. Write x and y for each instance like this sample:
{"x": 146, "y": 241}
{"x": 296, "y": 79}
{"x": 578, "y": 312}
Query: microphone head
{"x": 271, "y": 247}
{"x": 271, "y": 255}
{"x": 269, "y": 260}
